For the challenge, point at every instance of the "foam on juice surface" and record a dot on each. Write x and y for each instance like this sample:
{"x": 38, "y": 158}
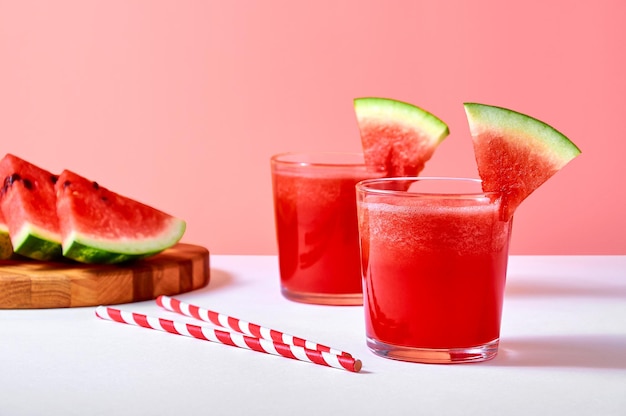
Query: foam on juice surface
{"x": 315, "y": 186}
{"x": 460, "y": 226}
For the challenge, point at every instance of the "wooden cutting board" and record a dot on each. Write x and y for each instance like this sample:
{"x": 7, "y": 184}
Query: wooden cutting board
{"x": 36, "y": 284}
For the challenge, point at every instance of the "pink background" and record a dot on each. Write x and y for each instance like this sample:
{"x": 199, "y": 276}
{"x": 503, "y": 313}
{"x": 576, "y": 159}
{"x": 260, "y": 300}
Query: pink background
{"x": 180, "y": 104}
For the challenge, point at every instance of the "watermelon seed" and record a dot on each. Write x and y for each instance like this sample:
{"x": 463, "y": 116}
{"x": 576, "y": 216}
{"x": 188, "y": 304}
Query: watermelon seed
{"x": 13, "y": 178}
{"x": 66, "y": 184}
{"x": 27, "y": 184}
{"x": 8, "y": 181}
{"x": 54, "y": 178}
{"x": 95, "y": 185}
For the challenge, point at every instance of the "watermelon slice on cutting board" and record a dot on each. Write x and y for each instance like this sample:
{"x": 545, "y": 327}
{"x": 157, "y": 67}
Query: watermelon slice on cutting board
{"x": 398, "y": 136}
{"x": 515, "y": 153}
{"x": 27, "y": 202}
{"x": 45, "y": 217}
{"x": 101, "y": 226}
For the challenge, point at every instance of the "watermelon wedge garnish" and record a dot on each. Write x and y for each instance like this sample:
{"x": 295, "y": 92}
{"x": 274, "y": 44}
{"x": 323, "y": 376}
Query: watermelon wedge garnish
{"x": 27, "y": 201}
{"x": 398, "y": 136}
{"x": 101, "y": 226}
{"x": 515, "y": 153}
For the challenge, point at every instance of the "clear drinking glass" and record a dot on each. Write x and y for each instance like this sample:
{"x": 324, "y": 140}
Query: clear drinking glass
{"x": 434, "y": 258}
{"x": 316, "y": 225}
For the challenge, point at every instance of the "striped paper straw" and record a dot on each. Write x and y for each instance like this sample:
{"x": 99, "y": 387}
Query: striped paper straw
{"x": 229, "y": 338}
{"x": 241, "y": 326}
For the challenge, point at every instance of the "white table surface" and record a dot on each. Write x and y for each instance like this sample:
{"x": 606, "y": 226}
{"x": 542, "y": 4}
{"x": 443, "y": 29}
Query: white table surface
{"x": 562, "y": 352}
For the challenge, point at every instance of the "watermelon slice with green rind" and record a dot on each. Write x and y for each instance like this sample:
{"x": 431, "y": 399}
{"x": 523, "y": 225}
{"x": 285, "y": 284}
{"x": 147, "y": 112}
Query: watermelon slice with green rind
{"x": 398, "y": 136}
{"x": 101, "y": 226}
{"x": 27, "y": 201}
{"x": 515, "y": 153}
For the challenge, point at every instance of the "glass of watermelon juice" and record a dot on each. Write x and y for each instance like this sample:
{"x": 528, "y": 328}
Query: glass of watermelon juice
{"x": 434, "y": 257}
{"x": 316, "y": 226}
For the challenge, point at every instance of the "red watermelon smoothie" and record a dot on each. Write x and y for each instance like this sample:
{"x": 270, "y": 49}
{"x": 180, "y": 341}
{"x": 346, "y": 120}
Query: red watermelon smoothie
{"x": 316, "y": 226}
{"x": 434, "y": 253}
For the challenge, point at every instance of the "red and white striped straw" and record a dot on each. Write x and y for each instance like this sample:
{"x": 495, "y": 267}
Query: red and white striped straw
{"x": 229, "y": 338}
{"x": 241, "y": 326}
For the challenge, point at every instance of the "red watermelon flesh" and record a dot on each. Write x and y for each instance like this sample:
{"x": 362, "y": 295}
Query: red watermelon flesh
{"x": 515, "y": 153}
{"x": 101, "y": 226}
{"x": 396, "y": 135}
{"x": 27, "y": 202}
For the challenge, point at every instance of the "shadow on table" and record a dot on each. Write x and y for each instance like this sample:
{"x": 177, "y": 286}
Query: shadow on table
{"x": 578, "y": 351}
{"x": 219, "y": 279}
{"x": 539, "y": 288}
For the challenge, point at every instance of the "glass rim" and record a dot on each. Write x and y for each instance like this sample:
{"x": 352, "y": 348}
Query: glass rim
{"x": 313, "y": 159}
{"x": 365, "y": 186}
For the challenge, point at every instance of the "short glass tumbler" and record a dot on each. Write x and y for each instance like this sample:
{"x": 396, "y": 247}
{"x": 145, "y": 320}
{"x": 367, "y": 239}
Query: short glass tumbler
{"x": 316, "y": 226}
{"x": 434, "y": 258}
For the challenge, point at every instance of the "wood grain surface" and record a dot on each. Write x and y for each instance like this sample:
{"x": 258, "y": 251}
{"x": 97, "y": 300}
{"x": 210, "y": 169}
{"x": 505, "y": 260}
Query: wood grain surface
{"x": 34, "y": 284}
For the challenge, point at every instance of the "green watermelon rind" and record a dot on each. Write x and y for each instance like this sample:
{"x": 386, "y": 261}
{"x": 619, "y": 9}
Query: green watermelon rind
{"x": 511, "y": 123}
{"x": 387, "y": 109}
{"x": 36, "y": 243}
{"x": 87, "y": 249}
